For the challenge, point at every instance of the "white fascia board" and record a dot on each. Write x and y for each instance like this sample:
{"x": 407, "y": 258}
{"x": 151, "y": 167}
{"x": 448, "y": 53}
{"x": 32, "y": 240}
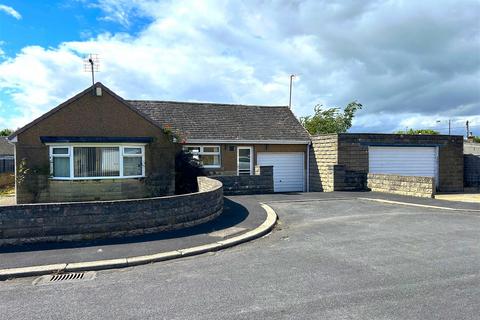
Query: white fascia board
{"x": 200, "y": 141}
{"x": 13, "y": 139}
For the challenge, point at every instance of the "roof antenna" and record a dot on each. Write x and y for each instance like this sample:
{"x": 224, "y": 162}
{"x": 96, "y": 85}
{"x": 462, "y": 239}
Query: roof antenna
{"x": 91, "y": 63}
{"x": 291, "y": 84}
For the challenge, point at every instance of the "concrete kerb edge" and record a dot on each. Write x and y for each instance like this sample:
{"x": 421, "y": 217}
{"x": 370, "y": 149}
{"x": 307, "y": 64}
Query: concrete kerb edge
{"x": 258, "y": 232}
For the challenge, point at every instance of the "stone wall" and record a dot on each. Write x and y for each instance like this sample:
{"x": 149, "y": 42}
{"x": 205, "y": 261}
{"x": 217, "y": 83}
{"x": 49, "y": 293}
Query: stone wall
{"x": 28, "y": 223}
{"x": 91, "y": 190}
{"x": 260, "y": 182}
{"x": 472, "y": 171}
{"x": 323, "y": 155}
{"x": 404, "y": 185}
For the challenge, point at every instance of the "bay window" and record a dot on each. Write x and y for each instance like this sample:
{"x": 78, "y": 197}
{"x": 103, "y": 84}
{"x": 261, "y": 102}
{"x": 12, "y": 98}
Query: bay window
{"x": 97, "y": 161}
{"x": 209, "y": 156}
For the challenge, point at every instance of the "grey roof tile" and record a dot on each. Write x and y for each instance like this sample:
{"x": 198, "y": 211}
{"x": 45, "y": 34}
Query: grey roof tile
{"x": 224, "y": 121}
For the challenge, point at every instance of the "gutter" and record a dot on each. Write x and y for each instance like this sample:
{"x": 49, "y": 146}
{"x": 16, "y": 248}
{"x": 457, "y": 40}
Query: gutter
{"x": 213, "y": 141}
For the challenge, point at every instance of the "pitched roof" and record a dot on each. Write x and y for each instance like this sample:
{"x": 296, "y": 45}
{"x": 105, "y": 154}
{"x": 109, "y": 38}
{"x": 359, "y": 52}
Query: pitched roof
{"x": 74, "y": 98}
{"x": 5, "y": 147}
{"x": 225, "y": 122}
{"x": 207, "y": 121}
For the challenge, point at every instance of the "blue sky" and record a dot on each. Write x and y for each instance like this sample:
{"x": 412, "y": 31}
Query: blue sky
{"x": 411, "y": 64}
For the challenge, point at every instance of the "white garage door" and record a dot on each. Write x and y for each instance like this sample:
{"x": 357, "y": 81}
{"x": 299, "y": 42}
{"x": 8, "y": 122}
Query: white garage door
{"x": 288, "y": 173}
{"x": 405, "y": 161}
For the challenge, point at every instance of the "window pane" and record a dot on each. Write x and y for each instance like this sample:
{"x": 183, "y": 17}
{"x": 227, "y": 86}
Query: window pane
{"x": 96, "y": 161}
{"x": 244, "y": 157}
{"x": 61, "y": 167}
{"x": 192, "y": 149}
{"x": 132, "y": 166}
{"x": 60, "y": 150}
{"x": 210, "y": 160}
{"x": 211, "y": 149}
{"x": 130, "y": 150}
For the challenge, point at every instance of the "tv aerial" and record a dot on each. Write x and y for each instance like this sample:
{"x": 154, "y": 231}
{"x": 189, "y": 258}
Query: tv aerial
{"x": 91, "y": 63}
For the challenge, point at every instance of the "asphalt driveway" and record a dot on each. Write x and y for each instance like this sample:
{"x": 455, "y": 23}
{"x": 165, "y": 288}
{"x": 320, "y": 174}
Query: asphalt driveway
{"x": 330, "y": 257}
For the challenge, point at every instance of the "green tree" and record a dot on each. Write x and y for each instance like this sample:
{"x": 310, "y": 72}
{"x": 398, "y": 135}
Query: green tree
{"x": 331, "y": 120}
{"x": 476, "y": 139}
{"x": 6, "y": 132}
{"x": 417, "y": 131}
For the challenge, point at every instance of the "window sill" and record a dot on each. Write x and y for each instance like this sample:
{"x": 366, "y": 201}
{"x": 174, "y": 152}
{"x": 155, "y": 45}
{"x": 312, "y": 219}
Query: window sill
{"x": 95, "y": 178}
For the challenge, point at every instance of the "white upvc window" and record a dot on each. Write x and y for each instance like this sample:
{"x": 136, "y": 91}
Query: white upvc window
{"x": 209, "y": 156}
{"x": 96, "y": 161}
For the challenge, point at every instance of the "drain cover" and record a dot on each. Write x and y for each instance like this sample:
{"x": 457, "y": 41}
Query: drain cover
{"x": 65, "y": 277}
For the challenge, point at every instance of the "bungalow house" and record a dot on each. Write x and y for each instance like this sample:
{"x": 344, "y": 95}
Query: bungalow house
{"x": 98, "y": 146}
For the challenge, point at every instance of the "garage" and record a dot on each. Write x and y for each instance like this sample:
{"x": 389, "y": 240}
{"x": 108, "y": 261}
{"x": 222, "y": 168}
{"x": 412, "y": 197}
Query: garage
{"x": 288, "y": 169}
{"x": 404, "y": 161}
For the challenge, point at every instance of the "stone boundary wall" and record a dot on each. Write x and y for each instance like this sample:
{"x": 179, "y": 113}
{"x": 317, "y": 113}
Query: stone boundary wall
{"x": 56, "y": 222}
{"x": 259, "y": 183}
{"x": 404, "y": 185}
{"x": 471, "y": 171}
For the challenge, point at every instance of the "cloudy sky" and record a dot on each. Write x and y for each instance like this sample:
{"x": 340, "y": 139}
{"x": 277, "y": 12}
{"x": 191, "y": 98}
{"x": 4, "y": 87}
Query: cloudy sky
{"x": 410, "y": 63}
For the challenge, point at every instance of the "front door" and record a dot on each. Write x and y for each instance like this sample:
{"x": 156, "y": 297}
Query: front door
{"x": 244, "y": 161}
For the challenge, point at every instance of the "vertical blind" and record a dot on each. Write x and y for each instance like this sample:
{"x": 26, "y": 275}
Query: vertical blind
{"x": 96, "y": 161}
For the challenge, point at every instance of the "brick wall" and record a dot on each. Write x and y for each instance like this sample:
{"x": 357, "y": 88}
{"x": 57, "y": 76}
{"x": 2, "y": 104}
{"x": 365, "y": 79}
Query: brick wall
{"x": 28, "y": 223}
{"x": 92, "y": 116}
{"x": 351, "y": 151}
{"x": 348, "y": 180}
{"x": 472, "y": 171}
{"x": 404, "y": 185}
{"x": 323, "y": 155}
{"x": 261, "y": 182}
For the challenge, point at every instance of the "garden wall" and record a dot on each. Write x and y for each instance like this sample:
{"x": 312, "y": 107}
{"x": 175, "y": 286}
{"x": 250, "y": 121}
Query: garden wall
{"x": 259, "y": 183}
{"x": 28, "y": 223}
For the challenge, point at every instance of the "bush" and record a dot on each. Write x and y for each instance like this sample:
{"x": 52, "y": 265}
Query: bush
{"x": 187, "y": 169}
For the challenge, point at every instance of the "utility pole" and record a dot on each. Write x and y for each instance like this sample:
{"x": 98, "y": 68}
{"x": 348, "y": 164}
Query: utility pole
{"x": 290, "y": 99}
{"x": 468, "y": 129}
{"x": 449, "y": 126}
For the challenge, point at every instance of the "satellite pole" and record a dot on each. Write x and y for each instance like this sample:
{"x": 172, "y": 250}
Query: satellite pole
{"x": 91, "y": 63}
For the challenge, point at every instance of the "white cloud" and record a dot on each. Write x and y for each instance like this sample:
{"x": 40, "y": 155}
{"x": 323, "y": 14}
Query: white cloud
{"x": 407, "y": 63}
{"x": 10, "y": 11}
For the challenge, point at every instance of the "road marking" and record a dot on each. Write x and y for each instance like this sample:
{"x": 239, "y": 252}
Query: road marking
{"x": 418, "y": 205}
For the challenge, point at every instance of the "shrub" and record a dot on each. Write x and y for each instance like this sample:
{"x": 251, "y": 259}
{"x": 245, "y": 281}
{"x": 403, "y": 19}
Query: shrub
{"x": 187, "y": 169}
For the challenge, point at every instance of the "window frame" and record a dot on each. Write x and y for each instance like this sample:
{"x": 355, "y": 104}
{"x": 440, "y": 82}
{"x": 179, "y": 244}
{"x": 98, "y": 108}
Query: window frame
{"x": 121, "y": 149}
{"x": 201, "y": 152}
